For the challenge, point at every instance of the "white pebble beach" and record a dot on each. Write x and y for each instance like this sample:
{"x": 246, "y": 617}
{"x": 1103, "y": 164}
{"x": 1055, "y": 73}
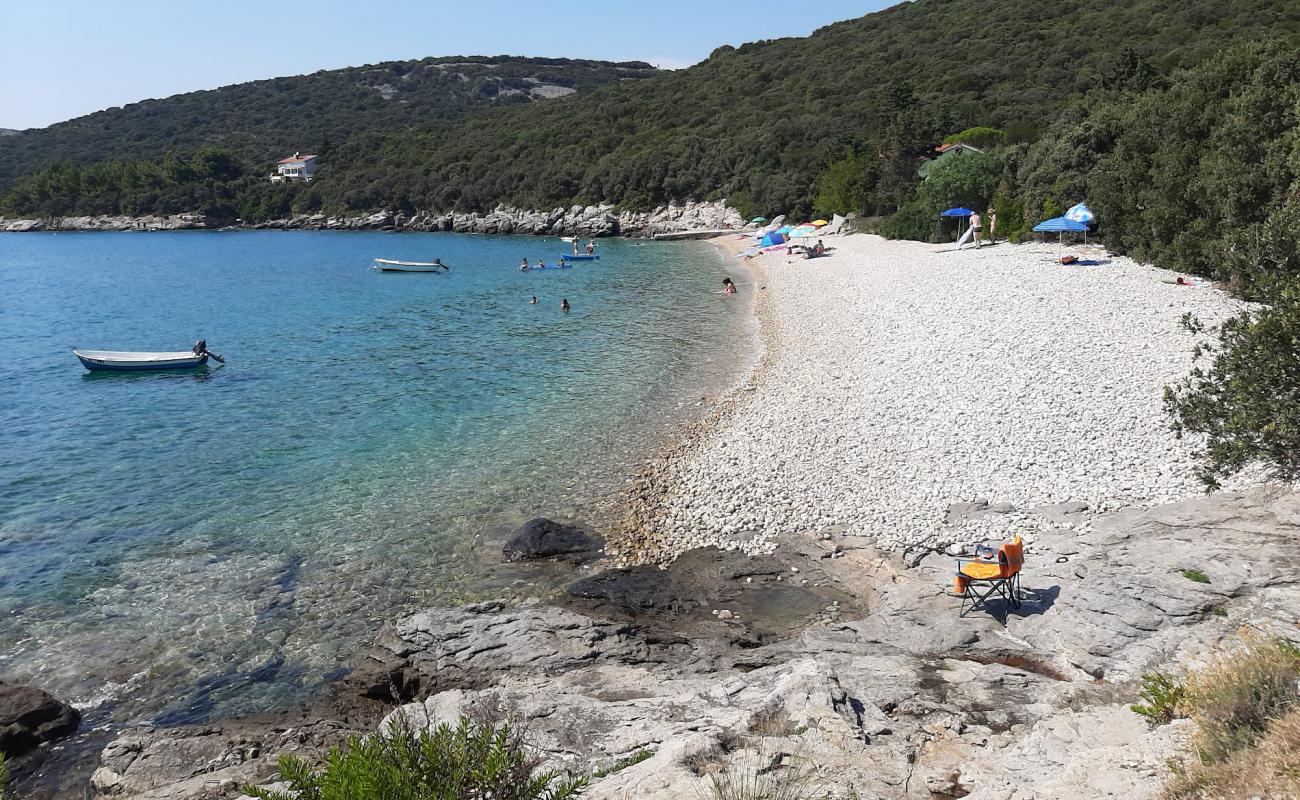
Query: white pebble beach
{"x": 901, "y": 378}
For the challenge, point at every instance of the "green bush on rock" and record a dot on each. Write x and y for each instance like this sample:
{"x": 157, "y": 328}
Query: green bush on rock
{"x": 480, "y": 758}
{"x": 1247, "y": 402}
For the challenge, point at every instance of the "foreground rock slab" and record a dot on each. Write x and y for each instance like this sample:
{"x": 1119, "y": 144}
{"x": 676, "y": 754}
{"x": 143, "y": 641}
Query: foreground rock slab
{"x": 895, "y": 696}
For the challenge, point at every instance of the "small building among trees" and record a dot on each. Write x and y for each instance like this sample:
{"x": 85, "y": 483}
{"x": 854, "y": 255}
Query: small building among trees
{"x": 297, "y": 167}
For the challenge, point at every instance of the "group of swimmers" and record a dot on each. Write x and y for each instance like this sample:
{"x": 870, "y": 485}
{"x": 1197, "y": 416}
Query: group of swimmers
{"x": 564, "y": 303}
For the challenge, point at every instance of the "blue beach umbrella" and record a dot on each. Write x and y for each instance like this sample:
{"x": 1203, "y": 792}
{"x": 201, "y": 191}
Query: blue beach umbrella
{"x": 758, "y": 219}
{"x": 961, "y": 214}
{"x": 773, "y": 238}
{"x": 1060, "y": 225}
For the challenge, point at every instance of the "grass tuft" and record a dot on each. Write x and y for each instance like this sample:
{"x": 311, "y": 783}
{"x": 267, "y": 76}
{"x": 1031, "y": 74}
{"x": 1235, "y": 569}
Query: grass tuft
{"x": 1196, "y": 575}
{"x": 1246, "y": 705}
{"x": 623, "y": 763}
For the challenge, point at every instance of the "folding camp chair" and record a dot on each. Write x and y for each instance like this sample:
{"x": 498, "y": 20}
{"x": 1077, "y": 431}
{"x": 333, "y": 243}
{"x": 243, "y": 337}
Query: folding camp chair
{"x": 997, "y": 573}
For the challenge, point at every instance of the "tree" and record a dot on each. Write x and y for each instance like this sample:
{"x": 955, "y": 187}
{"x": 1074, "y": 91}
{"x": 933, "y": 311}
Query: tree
{"x": 1247, "y": 403}
{"x": 968, "y": 179}
{"x": 977, "y": 137}
{"x": 842, "y": 186}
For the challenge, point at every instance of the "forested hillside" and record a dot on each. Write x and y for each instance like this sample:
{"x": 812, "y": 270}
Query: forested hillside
{"x": 758, "y": 124}
{"x": 263, "y": 120}
{"x": 839, "y": 118}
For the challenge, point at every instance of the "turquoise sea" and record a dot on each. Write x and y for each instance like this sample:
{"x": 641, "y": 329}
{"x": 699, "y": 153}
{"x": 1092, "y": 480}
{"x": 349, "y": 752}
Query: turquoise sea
{"x": 185, "y": 546}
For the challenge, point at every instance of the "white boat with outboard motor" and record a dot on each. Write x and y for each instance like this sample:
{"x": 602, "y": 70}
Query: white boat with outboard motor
{"x": 389, "y": 265}
{"x": 135, "y": 361}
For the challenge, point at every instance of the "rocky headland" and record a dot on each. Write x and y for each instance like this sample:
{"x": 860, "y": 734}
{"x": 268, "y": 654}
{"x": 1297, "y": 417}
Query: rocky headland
{"x": 596, "y": 221}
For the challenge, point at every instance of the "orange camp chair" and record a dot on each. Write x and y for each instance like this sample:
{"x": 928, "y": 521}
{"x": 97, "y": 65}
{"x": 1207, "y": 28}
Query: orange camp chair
{"x": 999, "y": 573}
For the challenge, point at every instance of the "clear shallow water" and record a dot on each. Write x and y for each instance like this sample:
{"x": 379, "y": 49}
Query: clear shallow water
{"x": 182, "y": 546}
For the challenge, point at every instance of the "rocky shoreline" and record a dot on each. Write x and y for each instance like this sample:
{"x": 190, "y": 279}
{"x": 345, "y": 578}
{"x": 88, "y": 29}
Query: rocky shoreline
{"x": 595, "y": 221}
{"x": 829, "y": 656}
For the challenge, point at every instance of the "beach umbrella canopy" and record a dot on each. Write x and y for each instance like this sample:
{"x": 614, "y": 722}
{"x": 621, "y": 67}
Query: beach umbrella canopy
{"x": 956, "y": 212}
{"x": 775, "y": 237}
{"x": 1060, "y": 225}
{"x": 759, "y": 219}
{"x": 819, "y": 222}
{"x": 785, "y": 229}
{"x": 803, "y": 231}
{"x": 1080, "y": 213}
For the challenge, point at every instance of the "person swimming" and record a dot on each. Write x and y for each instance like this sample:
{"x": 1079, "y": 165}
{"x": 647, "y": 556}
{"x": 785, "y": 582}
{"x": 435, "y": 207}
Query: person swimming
{"x": 564, "y": 305}
{"x": 533, "y": 302}
{"x": 728, "y": 287}
{"x": 523, "y": 265}
{"x": 437, "y": 262}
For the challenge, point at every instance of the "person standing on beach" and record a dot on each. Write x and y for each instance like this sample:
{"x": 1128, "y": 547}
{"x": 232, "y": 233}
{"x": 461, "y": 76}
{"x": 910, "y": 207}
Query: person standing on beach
{"x": 977, "y": 227}
{"x": 993, "y": 225}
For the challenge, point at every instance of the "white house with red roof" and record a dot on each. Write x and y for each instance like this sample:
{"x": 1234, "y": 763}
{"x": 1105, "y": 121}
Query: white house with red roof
{"x": 297, "y": 167}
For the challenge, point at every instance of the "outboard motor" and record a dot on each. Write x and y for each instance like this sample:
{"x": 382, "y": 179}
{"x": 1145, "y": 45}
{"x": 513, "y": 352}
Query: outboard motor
{"x": 201, "y": 348}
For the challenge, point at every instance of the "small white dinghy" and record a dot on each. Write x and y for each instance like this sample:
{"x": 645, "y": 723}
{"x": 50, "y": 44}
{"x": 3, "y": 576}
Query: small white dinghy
{"x": 122, "y": 361}
{"x": 388, "y": 265}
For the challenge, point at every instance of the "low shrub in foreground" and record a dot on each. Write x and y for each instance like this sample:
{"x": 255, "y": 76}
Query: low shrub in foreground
{"x": 1268, "y": 771}
{"x": 1161, "y": 698}
{"x": 1234, "y": 699}
{"x": 476, "y": 760}
{"x": 1246, "y": 705}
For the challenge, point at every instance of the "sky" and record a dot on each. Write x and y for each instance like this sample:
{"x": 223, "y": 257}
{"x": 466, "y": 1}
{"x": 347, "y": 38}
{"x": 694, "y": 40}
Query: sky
{"x": 61, "y": 60}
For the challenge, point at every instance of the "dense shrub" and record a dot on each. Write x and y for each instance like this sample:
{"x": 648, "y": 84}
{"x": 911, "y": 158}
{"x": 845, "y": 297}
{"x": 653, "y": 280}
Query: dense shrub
{"x": 1246, "y": 707}
{"x": 1208, "y": 156}
{"x": 476, "y": 760}
{"x": 918, "y": 220}
{"x": 1247, "y": 403}
{"x": 1235, "y": 698}
{"x": 1268, "y": 771}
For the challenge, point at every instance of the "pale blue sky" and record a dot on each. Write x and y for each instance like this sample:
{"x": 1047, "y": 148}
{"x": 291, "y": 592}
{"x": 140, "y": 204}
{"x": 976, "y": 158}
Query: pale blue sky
{"x": 61, "y": 60}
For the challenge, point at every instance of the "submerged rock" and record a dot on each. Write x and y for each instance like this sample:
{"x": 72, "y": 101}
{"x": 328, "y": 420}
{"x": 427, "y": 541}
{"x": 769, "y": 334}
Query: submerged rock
{"x": 544, "y": 538}
{"x": 30, "y": 717}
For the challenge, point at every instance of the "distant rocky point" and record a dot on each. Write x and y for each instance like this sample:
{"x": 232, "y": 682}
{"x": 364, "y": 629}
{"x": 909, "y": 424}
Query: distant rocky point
{"x": 597, "y": 221}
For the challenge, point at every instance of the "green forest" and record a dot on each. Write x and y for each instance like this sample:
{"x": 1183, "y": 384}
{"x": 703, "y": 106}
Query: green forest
{"x": 265, "y": 120}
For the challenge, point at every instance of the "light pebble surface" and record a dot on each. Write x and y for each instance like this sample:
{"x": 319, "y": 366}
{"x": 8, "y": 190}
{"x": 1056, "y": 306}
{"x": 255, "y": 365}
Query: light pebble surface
{"x": 903, "y": 377}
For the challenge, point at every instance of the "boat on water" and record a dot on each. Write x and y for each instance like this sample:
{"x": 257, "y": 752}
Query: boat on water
{"x": 580, "y": 258}
{"x": 389, "y": 265}
{"x": 132, "y": 361}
